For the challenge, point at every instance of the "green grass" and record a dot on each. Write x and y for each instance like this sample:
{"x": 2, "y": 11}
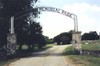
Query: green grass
{"x": 5, "y": 62}
{"x": 49, "y": 45}
{"x": 91, "y": 46}
{"x": 68, "y": 51}
{"x": 36, "y": 49}
{"x": 84, "y": 60}
{"x": 44, "y": 48}
{"x": 2, "y": 63}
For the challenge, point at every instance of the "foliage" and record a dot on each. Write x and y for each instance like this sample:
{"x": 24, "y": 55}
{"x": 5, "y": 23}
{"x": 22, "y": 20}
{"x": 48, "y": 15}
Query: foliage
{"x": 64, "y": 38}
{"x": 41, "y": 41}
{"x": 44, "y": 48}
{"x": 68, "y": 51}
{"x": 14, "y": 8}
{"x": 90, "y": 36}
{"x": 28, "y": 31}
{"x": 57, "y": 39}
{"x": 48, "y": 40}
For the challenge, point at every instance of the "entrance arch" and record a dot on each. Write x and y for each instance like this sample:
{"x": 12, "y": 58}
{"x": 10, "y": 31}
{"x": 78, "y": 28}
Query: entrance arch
{"x": 52, "y": 9}
{"x": 76, "y": 36}
{"x": 63, "y": 12}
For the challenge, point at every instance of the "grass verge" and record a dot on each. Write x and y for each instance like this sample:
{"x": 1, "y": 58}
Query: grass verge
{"x": 91, "y": 46}
{"x": 2, "y": 63}
{"x": 83, "y": 60}
{"x": 6, "y": 62}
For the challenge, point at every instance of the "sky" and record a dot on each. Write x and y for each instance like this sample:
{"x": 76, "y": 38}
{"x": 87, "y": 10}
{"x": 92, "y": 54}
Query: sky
{"x": 87, "y": 11}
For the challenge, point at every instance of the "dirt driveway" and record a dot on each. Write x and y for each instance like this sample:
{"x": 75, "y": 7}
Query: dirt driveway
{"x": 49, "y": 57}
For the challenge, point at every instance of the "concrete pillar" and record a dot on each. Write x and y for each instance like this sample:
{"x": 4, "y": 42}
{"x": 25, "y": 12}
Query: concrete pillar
{"x": 11, "y": 44}
{"x": 12, "y": 25}
{"x": 11, "y": 39}
{"x": 76, "y": 38}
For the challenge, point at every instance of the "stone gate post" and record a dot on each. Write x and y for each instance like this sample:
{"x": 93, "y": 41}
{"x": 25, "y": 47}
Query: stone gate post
{"x": 11, "y": 39}
{"x": 76, "y": 38}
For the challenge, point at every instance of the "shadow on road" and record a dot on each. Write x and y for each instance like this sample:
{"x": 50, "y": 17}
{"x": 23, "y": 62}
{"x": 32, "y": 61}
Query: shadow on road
{"x": 54, "y": 51}
{"x": 47, "y": 54}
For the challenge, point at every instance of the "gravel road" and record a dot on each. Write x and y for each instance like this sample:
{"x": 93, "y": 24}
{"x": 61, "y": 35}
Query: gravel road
{"x": 49, "y": 57}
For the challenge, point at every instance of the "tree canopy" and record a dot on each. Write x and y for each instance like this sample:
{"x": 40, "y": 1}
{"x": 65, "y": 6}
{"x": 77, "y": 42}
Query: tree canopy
{"x": 26, "y": 28}
{"x": 64, "y": 38}
{"x": 90, "y": 36}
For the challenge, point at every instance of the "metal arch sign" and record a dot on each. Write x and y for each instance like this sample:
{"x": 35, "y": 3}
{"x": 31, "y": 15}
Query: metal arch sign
{"x": 63, "y": 12}
{"x": 52, "y": 9}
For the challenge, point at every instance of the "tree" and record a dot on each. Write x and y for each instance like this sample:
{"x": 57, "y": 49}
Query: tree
{"x": 35, "y": 35}
{"x": 41, "y": 41}
{"x": 57, "y": 39}
{"x": 48, "y": 40}
{"x": 90, "y": 36}
{"x": 12, "y": 7}
{"x": 15, "y": 8}
{"x": 64, "y": 38}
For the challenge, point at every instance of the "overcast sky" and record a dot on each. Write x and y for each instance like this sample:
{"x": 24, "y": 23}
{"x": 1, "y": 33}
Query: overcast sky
{"x": 88, "y": 12}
